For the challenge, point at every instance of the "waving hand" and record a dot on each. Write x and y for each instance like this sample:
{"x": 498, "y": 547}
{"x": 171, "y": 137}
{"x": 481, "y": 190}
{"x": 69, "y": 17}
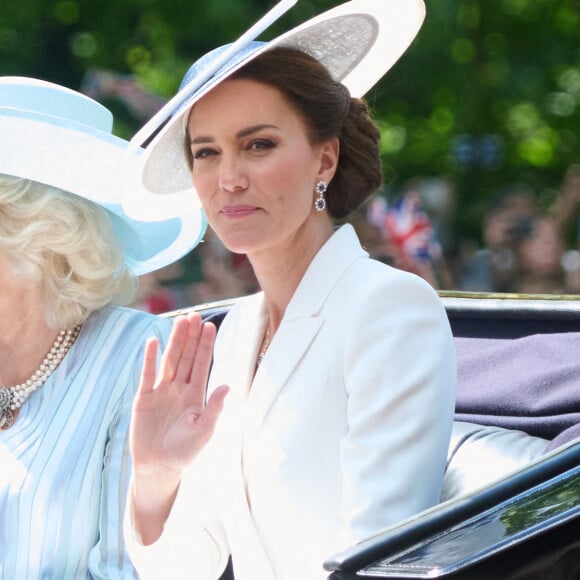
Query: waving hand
{"x": 171, "y": 420}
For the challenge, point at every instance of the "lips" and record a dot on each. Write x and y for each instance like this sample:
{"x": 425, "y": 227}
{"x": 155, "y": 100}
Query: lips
{"x": 238, "y": 211}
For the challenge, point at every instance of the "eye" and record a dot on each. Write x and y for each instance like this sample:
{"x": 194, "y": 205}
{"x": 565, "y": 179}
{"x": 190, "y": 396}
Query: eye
{"x": 203, "y": 153}
{"x": 261, "y": 145}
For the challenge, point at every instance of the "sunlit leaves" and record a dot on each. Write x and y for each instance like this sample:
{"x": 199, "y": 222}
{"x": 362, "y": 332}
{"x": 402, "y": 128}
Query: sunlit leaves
{"x": 561, "y": 104}
{"x": 468, "y": 15}
{"x": 536, "y": 141}
{"x": 522, "y": 119}
{"x": 462, "y": 50}
{"x": 569, "y": 81}
{"x": 538, "y": 147}
{"x": 442, "y": 120}
{"x": 139, "y": 58}
{"x": 393, "y": 138}
{"x": 84, "y": 45}
{"x": 66, "y": 12}
{"x": 567, "y": 18}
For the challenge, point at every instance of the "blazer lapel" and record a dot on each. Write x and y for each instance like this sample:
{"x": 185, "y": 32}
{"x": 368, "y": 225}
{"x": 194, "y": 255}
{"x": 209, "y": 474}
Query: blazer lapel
{"x": 245, "y": 340}
{"x": 285, "y": 352}
{"x": 300, "y": 325}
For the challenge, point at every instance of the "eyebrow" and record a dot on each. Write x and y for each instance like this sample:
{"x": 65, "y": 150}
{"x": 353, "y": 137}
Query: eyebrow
{"x": 239, "y": 135}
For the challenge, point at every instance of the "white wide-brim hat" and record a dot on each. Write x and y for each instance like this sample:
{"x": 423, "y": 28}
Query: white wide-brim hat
{"x": 358, "y": 42}
{"x": 59, "y": 137}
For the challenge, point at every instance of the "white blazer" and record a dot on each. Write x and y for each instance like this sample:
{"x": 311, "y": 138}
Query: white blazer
{"x": 342, "y": 432}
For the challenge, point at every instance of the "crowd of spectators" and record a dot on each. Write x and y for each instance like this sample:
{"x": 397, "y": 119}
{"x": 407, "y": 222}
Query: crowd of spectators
{"x": 524, "y": 248}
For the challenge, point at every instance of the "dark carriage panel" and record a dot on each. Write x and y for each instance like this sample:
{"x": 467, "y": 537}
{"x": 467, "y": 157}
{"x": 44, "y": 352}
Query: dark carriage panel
{"x": 558, "y": 473}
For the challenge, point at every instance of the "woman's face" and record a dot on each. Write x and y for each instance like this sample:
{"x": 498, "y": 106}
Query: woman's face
{"x": 254, "y": 167}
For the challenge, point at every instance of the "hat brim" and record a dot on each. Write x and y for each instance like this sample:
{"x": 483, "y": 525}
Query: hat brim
{"x": 93, "y": 164}
{"x": 358, "y": 42}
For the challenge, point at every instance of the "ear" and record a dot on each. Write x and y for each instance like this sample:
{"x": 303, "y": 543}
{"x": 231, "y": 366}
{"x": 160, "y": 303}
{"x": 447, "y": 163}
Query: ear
{"x": 329, "y": 152}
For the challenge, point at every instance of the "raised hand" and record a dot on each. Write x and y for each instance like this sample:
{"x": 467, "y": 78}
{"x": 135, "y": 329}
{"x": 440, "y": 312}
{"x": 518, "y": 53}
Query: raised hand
{"x": 171, "y": 421}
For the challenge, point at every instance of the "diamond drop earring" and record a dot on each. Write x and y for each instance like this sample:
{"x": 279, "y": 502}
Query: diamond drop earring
{"x": 320, "y": 202}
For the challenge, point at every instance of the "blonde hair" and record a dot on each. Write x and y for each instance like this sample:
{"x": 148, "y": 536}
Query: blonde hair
{"x": 66, "y": 243}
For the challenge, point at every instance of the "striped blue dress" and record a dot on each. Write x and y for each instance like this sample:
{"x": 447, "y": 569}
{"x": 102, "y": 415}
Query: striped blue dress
{"x": 65, "y": 464}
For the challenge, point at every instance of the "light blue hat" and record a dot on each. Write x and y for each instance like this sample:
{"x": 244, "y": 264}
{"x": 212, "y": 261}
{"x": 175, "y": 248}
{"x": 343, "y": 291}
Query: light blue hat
{"x": 197, "y": 69}
{"x": 358, "y": 42}
{"x": 62, "y": 138}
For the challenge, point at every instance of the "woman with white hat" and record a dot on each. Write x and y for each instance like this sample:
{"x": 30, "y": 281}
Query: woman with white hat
{"x": 341, "y": 372}
{"x": 69, "y": 357}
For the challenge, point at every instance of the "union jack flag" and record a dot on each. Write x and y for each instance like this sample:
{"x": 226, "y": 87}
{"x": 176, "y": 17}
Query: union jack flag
{"x": 406, "y": 226}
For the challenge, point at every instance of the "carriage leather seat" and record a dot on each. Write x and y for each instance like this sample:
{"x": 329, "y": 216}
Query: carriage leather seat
{"x": 479, "y": 455}
{"x": 518, "y": 394}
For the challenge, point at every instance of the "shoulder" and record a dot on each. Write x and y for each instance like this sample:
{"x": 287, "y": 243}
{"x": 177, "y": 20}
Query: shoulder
{"x": 380, "y": 284}
{"x": 353, "y": 275}
{"x": 118, "y": 320}
{"x": 375, "y": 304}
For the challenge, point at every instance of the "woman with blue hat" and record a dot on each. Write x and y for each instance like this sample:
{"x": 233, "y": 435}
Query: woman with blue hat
{"x": 332, "y": 390}
{"x": 69, "y": 354}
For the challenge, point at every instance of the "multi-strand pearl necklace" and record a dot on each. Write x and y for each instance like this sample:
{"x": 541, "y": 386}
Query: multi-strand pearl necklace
{"x": 12, "y": 398}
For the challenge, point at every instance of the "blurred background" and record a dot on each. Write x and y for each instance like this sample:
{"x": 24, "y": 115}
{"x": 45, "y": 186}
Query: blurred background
{"x": 480, "y": 125}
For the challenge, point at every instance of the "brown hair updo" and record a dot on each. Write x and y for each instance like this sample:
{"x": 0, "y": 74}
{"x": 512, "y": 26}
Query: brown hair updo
{"x": 328, "y": 111}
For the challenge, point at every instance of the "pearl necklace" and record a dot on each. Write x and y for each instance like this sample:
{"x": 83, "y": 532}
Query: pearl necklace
{"x": 12, "y": 398}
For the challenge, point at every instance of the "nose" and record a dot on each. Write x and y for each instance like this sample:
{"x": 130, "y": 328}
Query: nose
{"x": 232, "y": 174}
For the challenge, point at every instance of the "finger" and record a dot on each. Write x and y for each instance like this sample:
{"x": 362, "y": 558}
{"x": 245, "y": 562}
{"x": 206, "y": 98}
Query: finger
{"x": 172, "y": 354}
{"x": 207, "y": 421}
{"x": 203, "y": 359}
{"x": 184, "y": 367}
{"x": 199, "y": 374}
{"x": 149, "y": 367}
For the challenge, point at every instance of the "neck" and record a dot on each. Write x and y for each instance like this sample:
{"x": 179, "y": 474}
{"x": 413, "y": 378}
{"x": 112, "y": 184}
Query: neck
{"x": 280, "y": 269}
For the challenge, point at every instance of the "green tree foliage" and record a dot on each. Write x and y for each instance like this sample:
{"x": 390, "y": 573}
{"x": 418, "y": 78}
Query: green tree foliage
{"x": 489, "y": 93}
